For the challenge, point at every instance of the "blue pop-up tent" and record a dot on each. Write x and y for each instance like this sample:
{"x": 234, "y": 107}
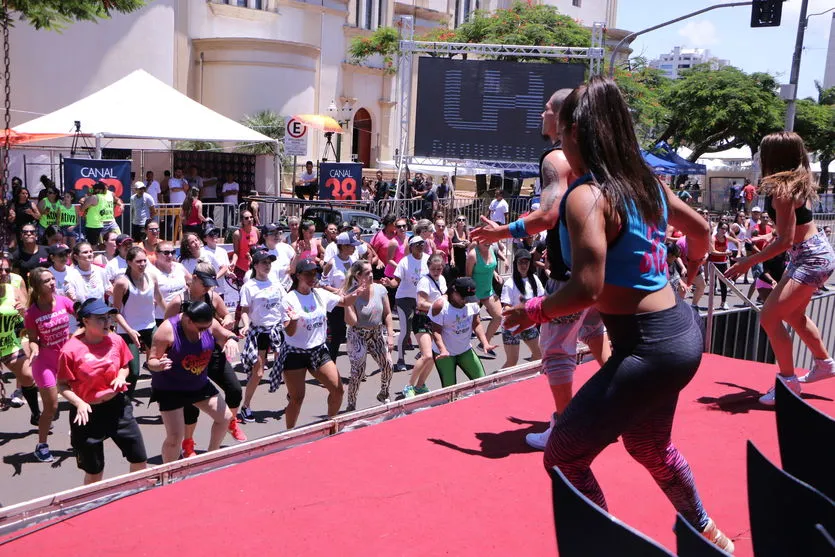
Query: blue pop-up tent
{"x": 657, "y": 164}
{"x": 683, "y": 166}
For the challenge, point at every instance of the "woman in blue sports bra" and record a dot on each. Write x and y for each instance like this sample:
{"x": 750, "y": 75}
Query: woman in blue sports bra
{"x": 612, "y": 226}
{"x": 788, "y": 186}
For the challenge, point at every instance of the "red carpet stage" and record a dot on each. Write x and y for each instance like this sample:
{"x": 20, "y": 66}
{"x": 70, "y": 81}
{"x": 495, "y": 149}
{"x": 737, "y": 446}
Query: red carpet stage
{"x": 453, "y": 480}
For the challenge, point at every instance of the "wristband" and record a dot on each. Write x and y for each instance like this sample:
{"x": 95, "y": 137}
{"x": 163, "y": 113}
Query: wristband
{"x": 534, "y": 311}
{"x": 517, "y": 229}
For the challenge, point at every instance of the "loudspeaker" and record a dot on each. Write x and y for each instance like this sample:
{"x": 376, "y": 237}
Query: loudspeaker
{"x": 480, "y": 184}
{"x": 512, "y": 187}
{"x": 495, "y": 181}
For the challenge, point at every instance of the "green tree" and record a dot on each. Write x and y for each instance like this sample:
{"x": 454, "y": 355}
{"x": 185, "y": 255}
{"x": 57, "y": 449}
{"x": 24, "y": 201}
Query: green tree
{"x": 58, "y": 14}
{"x": 272, "y": 125}
{"x": 524, "y": 23}
{"x": 643, "y": 87}
{"x": 713, "y": 110}
{"x": 189, "y": 145}
{"x": 815, "y": 122}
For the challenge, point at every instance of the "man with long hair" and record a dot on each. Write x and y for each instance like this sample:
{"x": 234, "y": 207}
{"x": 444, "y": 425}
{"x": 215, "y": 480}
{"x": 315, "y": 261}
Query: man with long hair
{"x": 558, "y": 338}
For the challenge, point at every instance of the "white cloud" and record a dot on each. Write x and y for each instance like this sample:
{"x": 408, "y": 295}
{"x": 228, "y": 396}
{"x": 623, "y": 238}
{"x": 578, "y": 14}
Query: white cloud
{"x": 699, "y": 34}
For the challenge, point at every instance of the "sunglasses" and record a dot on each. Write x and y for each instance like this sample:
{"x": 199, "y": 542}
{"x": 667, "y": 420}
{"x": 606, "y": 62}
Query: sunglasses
{"x": 247, "y": 218}
{"x": 167, "y": 251}
{"x": 402, "y": 226}
{"x": 153, "y": 230}
{"x": 5, "y": 270}
{"x": 28, "y": 232}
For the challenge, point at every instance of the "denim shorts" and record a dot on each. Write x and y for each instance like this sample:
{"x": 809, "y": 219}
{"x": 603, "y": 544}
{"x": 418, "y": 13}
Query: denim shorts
{"x": 812, "y": 261}
{"x": 527, "y": 334}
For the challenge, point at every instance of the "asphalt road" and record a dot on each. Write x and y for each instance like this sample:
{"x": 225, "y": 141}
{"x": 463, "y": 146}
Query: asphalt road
{"x": 24, "y": 477}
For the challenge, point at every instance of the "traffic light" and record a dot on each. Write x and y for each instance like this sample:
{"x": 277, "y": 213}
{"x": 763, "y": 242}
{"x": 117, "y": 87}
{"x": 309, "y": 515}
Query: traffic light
{"x": 766, "y": 13}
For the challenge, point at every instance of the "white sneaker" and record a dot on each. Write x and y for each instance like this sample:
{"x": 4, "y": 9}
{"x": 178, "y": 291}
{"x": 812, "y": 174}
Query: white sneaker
{"x": 538, "y": 441}
{"x": 791, "y": 382}
{"x": 724, "y": 307}
{"x": 823, "y": 369}
{"x": 17, "y": 399}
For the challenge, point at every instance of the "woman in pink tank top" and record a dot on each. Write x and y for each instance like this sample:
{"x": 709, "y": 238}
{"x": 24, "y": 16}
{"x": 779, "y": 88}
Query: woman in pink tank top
{"x": 440, "y": 239}
{"x": 242, "y": 239}
{"x": 397, "y": 247}
{"x": 308, "y": 247}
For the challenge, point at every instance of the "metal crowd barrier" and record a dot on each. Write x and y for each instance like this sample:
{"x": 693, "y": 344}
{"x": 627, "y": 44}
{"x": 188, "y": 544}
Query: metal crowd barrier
{"x": 736, "y": 333}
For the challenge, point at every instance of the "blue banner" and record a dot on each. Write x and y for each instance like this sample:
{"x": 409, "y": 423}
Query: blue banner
{"x": 340, "y": 180}
{"x": 81, "y": 174}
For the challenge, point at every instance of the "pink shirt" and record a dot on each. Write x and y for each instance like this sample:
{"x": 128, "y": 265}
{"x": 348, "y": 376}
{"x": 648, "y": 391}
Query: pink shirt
{"x": 53, "y": 331}
{"x": 90, "y": 368}
{"x": 380, "y": 243}
{"x": 398, "y": 255}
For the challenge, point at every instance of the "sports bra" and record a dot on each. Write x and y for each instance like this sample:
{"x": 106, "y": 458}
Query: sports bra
{"x": 803, "y": 215}
{"x": 637, "y": 258}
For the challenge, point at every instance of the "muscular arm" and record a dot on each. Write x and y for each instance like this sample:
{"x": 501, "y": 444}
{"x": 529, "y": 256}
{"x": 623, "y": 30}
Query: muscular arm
{"x": 556, "y": 174}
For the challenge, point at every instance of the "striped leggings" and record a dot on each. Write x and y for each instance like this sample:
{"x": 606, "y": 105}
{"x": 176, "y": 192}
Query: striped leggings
{"x": 362, "y": 342}
{"x": 634, "y": 396}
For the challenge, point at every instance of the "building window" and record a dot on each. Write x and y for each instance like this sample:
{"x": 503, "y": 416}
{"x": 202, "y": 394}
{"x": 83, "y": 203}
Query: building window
{"x": 463, "y": 9}
{"x": 370, "y": 13}
{"x": 577, "y": 3}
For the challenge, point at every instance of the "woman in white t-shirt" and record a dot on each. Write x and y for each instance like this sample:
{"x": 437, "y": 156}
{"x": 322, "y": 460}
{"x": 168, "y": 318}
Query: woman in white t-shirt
{"x": 84, "y": 279}
{"x": 305, "y": 336}
{"x": 366, "y": 319}
{"x": 430, "y": 288}
{"x": 219, "y": 255}
{"x": 517, "y": 289}
{"x": 262, "y": 318}
{"x": 332, "y": 280}
{"x": 454, "y": 319}
{"x": 172, "y": 277}
{"x": 406, "y": 277}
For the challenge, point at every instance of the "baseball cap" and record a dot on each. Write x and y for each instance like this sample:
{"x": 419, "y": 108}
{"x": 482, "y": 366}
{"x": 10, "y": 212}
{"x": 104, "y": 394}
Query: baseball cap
{"x": 262, "y": 255}
{"x": 208, "y": 279}
{"x": 534, "y": 206}
{"x": 306, "y": 265}
{"x": 122, "y": 238}
{"x": 211, "y": 231}
{"x": 347, "y": 239}
{"x": 756, "y": 209}
{"x": 465, "y": 286}
{"x": 270, "y": 229}
{"x": 139, "y": 185}
{"x": 58, "y": 249}
{"x": 522, "y": 253}
{"x": 94, "y": 306}
{"x": 416, "y": 239}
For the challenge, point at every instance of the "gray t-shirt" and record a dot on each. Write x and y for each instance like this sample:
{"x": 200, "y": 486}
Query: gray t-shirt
{"x": 370, "y": 313}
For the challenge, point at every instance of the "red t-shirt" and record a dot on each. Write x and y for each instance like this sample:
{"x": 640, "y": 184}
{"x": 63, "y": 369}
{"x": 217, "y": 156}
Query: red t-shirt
{"x": 748, "y": 192}
{"x": 90, "y": 368}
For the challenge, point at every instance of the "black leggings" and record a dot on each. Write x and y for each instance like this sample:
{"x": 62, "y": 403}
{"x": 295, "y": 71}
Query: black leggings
{"x": 634, "y": 396}
{"x": 221, "y": 372}
{"x": 337, "y": 331}
{"x": 723, "y": 288}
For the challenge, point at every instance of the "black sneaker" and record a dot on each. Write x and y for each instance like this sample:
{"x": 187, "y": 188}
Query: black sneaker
{"x": 245, "y": 415}
{"x": 34, "y": 420}
{"x": 383, "y": 397}
{"x": 400, "y": 367}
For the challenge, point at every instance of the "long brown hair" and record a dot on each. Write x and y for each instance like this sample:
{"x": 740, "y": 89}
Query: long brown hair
{"x": 35, "y": 282}
{"x": 785, "y": 166}
{"x": 608, "y": 145}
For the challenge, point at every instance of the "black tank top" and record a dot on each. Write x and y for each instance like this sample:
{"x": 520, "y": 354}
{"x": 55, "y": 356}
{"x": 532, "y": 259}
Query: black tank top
{"x": 559, "y": 271}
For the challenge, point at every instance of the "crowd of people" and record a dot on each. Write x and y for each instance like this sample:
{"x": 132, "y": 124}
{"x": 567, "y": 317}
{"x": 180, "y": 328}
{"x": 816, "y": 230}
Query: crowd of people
{"x": 609, "y": 257}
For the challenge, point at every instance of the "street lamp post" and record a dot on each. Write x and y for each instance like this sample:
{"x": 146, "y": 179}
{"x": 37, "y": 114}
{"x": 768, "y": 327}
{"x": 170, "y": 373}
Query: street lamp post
{"x": 342, "y": 114}
{"x": 794, "y": 77}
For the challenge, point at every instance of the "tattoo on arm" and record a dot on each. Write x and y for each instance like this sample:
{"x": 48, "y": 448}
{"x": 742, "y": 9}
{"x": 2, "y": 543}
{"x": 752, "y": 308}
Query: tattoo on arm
{"x": 550, "y": 184}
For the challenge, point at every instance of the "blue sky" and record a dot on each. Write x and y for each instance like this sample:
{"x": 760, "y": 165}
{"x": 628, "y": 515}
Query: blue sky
{"x": 728, "y": 35}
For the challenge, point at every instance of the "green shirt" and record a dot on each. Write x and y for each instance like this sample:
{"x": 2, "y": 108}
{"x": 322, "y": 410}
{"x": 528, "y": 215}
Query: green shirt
{"x": 50, "y": 215}
{"x": 67, "y": 215}
{"x": 101, "y": 212}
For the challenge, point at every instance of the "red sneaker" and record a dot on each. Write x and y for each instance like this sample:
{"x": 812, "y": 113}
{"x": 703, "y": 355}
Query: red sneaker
{"x": 234, "y": 429}
{"x": 188, "y": 448}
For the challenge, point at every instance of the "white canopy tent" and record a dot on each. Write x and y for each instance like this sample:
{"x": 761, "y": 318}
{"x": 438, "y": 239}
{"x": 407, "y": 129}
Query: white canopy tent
{"x": 440, "y": 169}
{"x": 137, "y": 112}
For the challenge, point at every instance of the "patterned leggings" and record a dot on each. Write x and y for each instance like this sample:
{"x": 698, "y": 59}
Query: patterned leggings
{"x": 634, "y": 396}
{"x": 361, "y": 342}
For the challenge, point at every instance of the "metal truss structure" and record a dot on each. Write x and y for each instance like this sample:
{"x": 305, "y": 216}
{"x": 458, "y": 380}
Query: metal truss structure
{"x": 410, "y": 47}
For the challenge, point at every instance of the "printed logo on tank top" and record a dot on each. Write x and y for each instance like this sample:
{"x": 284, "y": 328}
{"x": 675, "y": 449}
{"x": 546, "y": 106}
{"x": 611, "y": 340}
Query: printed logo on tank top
{"x": 655, "y": 260}
{"x": 196, "y": 363}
